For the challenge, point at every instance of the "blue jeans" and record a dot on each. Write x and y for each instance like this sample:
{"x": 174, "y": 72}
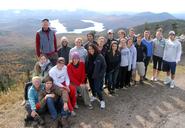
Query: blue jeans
{"x": 97, "y": 85}
{"x": 112, "y": 79}
{"x": 51, "y": 107}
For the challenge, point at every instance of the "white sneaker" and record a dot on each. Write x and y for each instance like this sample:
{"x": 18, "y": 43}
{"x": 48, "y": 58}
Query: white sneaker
{"x": 102, "y": 104}
{"x": 155, "y": 79}
{"x": 167, "y": 80}
{"x": 172, "y": 84}
{"x": 73, "y": 114}
{"x": 92, "y": 98}
{"x": 152, "y": 79}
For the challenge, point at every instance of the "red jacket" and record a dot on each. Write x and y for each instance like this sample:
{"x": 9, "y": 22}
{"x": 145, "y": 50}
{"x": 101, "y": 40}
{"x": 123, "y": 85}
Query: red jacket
{"x": 76, "y": 74}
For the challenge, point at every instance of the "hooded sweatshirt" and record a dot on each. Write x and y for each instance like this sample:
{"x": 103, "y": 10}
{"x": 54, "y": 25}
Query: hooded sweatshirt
{"x": 172, "y": 51}
{"x": 82, "y": 52}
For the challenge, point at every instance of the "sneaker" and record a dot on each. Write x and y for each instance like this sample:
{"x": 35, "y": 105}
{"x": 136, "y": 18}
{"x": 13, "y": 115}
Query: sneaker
{"x": 155, "y": 79}
{"x": 102, "y": 104}
{"x": 152, "y": 79}
{"x": 76, "y": 106}
{"x": 172, "y": 84}
{"x": 90, "y": 107}
{"x": 167, "y": 80}
{"x": 73, "y": 113}
{"x": 146, "y": 79}
{"x": 93, "y": 98}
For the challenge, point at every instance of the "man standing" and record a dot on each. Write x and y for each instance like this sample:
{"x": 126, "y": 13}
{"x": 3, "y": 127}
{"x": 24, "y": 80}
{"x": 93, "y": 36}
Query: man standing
{"x": 46, "y": 42}
{"x": 172, "y": 54}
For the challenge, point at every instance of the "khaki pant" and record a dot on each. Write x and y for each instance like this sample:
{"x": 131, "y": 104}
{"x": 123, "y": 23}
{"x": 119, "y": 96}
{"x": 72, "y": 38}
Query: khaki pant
{"x": 61, "y": 92}
{"x": 83, "y": 90}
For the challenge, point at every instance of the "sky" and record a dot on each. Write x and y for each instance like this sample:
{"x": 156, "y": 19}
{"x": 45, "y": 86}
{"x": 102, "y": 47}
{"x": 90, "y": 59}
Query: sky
{"x": 157, "y": 6}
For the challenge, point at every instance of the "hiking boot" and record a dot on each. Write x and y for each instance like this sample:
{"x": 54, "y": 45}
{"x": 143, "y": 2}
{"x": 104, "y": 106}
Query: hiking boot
{"x": 64, "y": 122}
{"x": 27, "y": 121}
{"x": 39, "y": 120}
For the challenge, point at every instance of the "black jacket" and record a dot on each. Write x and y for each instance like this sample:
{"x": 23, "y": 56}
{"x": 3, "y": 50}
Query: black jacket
{"x": 95, "y": 66}
{"x": 141, "y": 52}
{"x": 64, "y": 52}
{"x": 113, "y": 62}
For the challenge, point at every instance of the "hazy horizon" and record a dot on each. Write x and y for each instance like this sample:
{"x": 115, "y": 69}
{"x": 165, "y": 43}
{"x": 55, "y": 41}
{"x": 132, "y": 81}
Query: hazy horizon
{"x": 101, "y": 6}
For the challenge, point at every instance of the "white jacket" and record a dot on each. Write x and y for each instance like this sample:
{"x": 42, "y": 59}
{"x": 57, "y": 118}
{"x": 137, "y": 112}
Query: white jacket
{"x": 172, "y": 51}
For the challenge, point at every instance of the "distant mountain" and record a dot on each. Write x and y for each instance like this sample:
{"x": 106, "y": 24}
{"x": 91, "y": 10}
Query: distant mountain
{"x": 28, "y": 21}
{"x": 177, "y": 25}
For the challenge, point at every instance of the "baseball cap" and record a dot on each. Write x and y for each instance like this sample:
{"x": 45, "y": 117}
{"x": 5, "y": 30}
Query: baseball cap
{"x": 171, "y": 33}
{"x": 60, "y": 60}
{"x": 110, "y": 31}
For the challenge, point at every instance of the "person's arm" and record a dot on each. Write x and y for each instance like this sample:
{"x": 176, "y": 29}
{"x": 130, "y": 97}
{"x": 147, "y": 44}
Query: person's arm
{"x": 83, "y": 73}
{"x": 37, "y": 44}
{"x": 134, "y": 59}
{"x": 55, "y": 42}
{"x": 179, "y": 52}
{"x": 129, "y": 61}
{"x": 67, "y": 81}
{"x": 31, "y": 99}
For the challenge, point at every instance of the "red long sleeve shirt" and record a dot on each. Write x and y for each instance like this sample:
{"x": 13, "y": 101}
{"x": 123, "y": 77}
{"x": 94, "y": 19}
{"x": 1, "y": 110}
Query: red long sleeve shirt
{"x": 76, "y": 74}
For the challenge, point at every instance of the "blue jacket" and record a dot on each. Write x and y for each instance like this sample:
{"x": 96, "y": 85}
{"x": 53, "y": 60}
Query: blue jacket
{"x": 149, "y": 47}
{"x": 33, "y": 96}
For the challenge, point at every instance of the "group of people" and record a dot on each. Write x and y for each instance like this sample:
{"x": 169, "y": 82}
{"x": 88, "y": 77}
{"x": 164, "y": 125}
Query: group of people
{"x": 62, "y": 75}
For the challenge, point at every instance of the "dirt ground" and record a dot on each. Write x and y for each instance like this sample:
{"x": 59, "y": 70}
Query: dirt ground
{"x": 152, "y": 105}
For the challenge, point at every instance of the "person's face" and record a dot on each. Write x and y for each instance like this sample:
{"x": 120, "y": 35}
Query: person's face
{"x": 64, "y": 42}
{"x": 130, "y": 42}
{"x": 36, "y": 83}
{"x": 139, "y": 40}
{"x": 48, "y": 85}
{"x": 90, "y": 38}
{"x": 114, "y": 47}
{"x": 158, "y": 35}
{"x": 110, "y": 35}
{"x": 45, "y": 25}
{"x": 91, "y": 50}
{"x": 101, "y": 42}
{"x": 60, "y": 65}
{"x": 131, "y": 33}
{"x": 172, "y": 37}
{"x": 75, "y": 61}
{"x": 78, "y": 43}
{"x": 146, "y": 34}
{"x": 43, "y": 60}
{"x": 121, "y": 35}
{"x": 123, "y": 42}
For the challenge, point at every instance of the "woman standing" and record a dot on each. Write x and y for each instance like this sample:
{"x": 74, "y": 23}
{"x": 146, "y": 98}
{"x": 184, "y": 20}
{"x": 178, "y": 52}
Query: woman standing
{"x": 113, "y": 59}
{"x": 76, "y": 72}
{"x": 95, "y": 69}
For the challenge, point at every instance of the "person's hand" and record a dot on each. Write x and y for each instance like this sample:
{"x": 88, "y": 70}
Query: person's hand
{"x": 67, "y": 88}
{"x": 65, "y": 106}
{"x": 51, "y": 95}
{"x": 34, "y": 113}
